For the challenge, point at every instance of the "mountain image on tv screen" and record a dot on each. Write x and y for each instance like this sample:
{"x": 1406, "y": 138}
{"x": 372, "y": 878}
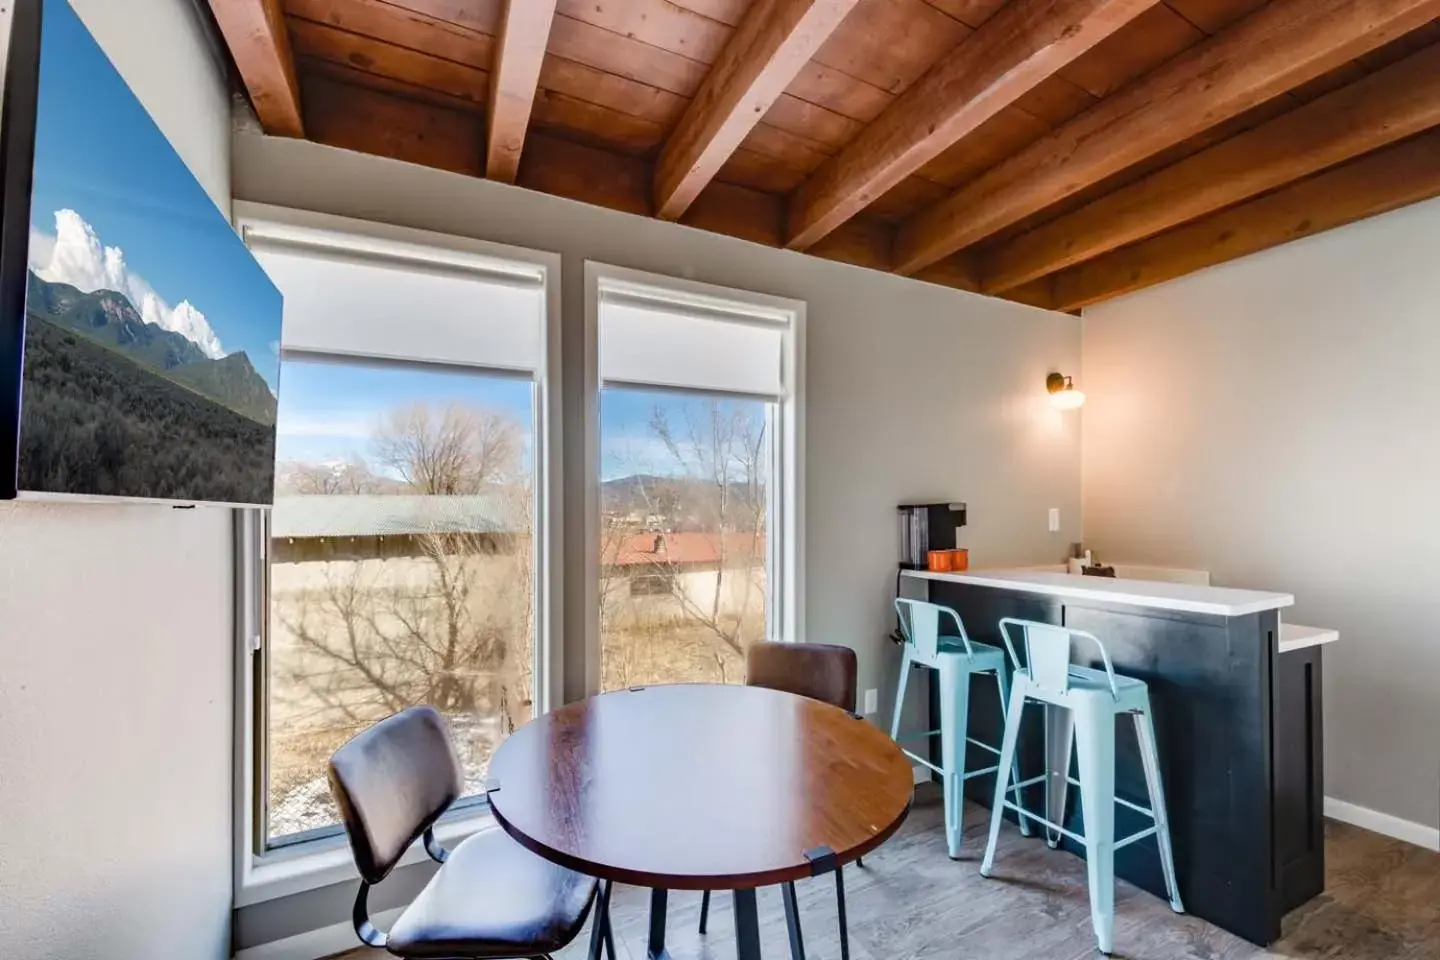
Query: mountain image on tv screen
{"x": 152, "y": 335}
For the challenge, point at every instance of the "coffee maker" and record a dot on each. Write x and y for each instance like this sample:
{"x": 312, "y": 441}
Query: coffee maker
{"x": 925, "y": 527}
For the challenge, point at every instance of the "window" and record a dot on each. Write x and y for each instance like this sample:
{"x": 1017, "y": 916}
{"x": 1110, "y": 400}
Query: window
{"x": 406, "y": 560}
{"x": 696, "y": 424}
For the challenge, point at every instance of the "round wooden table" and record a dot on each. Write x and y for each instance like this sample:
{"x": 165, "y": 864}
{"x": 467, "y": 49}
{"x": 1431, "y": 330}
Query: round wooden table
{"x": 700, "y": 787}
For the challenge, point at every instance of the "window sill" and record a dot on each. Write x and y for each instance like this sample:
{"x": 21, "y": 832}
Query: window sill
{"x": 327, "y": 861}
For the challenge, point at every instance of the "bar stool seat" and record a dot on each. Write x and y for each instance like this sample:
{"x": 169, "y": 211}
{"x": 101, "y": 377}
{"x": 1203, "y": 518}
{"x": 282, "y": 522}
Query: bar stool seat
{"x": 956, "y": 658}
{"x": 1089, "y": 682}
{"x": 1094, "y": 699}
{"x": 981, "y": 658}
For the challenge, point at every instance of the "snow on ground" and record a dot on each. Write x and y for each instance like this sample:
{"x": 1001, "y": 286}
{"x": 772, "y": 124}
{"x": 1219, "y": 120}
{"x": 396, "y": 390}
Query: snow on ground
{"x": 310, "y": 806}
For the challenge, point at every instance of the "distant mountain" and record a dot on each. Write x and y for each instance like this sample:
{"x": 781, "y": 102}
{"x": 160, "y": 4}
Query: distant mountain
{"x": 110, "y": 319}
{"x": 673, "y": 503}
{"x": 233, "y": 381}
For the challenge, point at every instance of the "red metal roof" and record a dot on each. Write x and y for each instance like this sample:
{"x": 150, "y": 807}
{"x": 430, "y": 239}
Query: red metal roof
{"x": 645, "y": 549}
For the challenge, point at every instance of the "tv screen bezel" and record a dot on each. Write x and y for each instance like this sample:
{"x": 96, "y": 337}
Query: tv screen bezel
{"x": 17, "y": 151}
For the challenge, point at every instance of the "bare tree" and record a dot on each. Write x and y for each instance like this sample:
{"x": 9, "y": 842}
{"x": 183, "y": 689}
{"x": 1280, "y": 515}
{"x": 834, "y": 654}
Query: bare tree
{"x": 453, "y": 449}
{"x": 440, "y": 617}
{"x": 720, "y": 452}
{"x": 455, "y": 635}
{"x": 351, "y": 476}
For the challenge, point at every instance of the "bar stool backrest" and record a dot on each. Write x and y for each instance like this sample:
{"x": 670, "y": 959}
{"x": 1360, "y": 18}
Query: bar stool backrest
{"x": 1047, "y": 654}
{"x": 920, "y": 624}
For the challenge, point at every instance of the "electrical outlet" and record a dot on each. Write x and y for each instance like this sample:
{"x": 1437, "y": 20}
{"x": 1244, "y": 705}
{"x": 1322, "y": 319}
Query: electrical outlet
{"x": 872, "y": 701}
{"x": 1054, "y": 519}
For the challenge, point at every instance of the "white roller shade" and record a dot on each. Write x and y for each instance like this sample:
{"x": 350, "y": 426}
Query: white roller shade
{"x": 647, "y": 341}
{"x": 369, "y": 298}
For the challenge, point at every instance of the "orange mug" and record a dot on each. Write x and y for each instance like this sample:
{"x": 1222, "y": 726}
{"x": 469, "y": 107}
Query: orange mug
{"x": 941, "y": 561}
{"x": 959, "y": 560}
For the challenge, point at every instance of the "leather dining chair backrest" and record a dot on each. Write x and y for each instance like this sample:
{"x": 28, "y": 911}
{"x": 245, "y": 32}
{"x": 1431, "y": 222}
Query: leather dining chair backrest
{"x": 820, "y": 671}
{"x": 392, "y": 782}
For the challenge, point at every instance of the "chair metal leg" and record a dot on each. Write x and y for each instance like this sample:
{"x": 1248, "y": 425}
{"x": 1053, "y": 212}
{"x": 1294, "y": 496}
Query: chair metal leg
{"x": 792, "y": 921}
{"x": 900, "y": 693}
{"x": 1059, "y": 744}
{"x": 609, "y": 928}
{"x": 1004, "y": 685}
{"x": 1145, "y": 733}
{"x": 1002, "y": 775}
{"x": 1095, "y": 756}
{"x": 840, "y": 911}
{"x": 704, "y": 911}
{"x": 954, "y": 726}
{"x": 600, "y": 926}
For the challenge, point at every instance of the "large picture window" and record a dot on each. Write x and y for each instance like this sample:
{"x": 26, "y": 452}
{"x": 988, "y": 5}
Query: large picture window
{"x": 401, "y": 567}
{"x": 405, "y": 559}
{"x": 697, "y": 420}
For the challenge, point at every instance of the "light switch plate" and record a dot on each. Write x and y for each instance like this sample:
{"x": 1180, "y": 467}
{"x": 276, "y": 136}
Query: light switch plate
{"x": 872, "y": 701}
{"x": 1054, "y": 519}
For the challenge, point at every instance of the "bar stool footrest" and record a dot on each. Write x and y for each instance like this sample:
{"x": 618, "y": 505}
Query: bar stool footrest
{"x": 1012, "y": 805}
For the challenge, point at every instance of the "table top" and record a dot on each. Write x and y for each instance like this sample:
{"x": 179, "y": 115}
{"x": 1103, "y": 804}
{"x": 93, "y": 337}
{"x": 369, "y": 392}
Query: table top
{"x": 699, "y": 786}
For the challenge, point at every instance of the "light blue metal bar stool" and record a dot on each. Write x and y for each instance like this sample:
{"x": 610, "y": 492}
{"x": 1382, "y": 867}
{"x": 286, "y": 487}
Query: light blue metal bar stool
{"x": 1094, "y": 698}
{"x": 956, "y": 658}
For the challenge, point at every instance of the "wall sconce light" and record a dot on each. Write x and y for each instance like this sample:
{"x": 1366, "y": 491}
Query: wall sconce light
{"x": 1063, "y": 395}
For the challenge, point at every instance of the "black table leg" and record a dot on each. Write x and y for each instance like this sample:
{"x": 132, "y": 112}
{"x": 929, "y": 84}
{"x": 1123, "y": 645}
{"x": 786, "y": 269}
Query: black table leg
{"x": 840, "y": 909}
{"x": 656, "y": 949}
{"x": 747, "y": 926}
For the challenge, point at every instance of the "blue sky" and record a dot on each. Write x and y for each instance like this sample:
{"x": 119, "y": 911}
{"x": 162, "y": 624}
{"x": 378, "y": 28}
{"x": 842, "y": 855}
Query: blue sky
{"x": 97, "y": 152}
{"x": 328, "y": 410}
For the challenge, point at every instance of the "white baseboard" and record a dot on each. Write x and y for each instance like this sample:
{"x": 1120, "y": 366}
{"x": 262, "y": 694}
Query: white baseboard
{"x": 1383, "y": 823}
{"x": 324, "y": 942}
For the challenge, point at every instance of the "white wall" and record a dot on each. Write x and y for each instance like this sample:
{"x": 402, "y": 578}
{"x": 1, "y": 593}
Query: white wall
{"x": 1277, "y": 420}
{"x": 115, "y": 645}
{"x": 913, "y": 390}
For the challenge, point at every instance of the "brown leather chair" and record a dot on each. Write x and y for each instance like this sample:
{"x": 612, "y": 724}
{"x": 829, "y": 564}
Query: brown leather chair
{"x": 820, "y": 671}
{"x": 492, "y": 899}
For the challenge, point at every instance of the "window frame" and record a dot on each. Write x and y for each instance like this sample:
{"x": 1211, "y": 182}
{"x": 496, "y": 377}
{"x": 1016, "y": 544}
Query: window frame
{"x": 785, "y": 540}
{"x": 315, "y": 859}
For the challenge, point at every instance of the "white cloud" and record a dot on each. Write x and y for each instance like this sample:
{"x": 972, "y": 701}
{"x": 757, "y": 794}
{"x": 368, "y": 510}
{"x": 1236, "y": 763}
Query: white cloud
{"x": 75, "y": 255}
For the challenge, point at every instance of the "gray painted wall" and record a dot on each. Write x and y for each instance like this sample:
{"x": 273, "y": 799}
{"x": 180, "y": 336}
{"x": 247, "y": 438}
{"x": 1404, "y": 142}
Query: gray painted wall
{"x": 115, "y": 638}
{"x": 1275, "y": 420}
{"x": 913, "y": 390}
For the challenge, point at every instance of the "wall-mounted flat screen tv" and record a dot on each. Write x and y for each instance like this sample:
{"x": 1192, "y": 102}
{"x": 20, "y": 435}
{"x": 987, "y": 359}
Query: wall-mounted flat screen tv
{"x": 139, "y": 339}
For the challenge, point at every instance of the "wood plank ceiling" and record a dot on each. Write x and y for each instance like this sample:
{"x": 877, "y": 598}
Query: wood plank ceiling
{"x": 1054, "y": 152}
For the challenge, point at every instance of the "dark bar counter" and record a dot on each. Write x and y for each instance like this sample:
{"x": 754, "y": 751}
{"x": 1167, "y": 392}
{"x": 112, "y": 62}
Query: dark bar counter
{"x": 1238, "y": 724}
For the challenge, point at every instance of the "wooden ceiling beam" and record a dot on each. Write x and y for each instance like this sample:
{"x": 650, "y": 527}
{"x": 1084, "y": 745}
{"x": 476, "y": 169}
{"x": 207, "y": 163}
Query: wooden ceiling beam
{"x": 254, "y": 30}
{"x": 771, "y": 45}
{"x": 1027, "y": 42}
{"x": 1280, "y": 46}
{"x": 380, "y": 122}
{"x": 524, "y": 35}
{"x": 1386, "y": 106}
{"x": 1376, "y": 183}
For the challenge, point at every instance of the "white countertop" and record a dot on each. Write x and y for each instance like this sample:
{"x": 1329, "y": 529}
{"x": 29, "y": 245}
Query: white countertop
{"x": 1154, "y": 594}
{"x": 1293, "y": 636}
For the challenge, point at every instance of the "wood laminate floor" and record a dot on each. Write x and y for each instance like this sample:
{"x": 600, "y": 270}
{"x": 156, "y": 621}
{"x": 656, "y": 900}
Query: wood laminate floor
{"x": 910, "y": 901}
